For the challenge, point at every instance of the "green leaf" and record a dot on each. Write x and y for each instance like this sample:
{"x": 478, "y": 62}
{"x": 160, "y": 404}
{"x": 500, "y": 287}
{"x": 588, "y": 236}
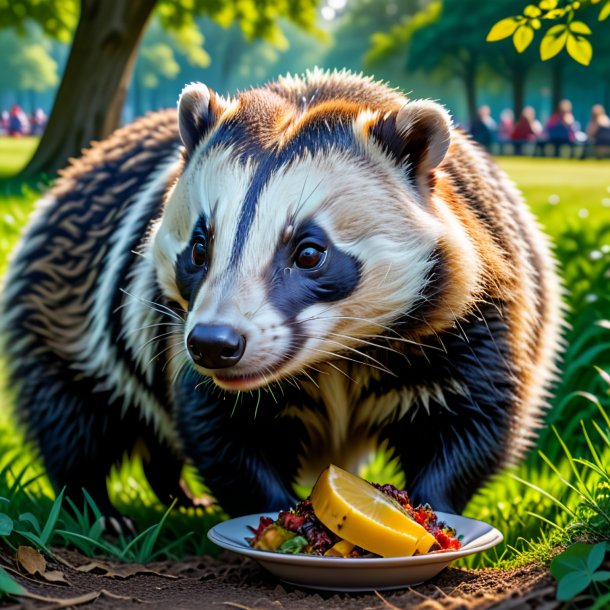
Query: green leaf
{"x": 596, "y": 556}
{"x": 579, "y": 27}
{"x": 8, "y": 586}
{"x": 293, "y": 545}
{"x": 571, "y": 585}
{"x": 31, "y": 519}
{"x": 554, "y": 40}
{"x": 601, "y": 576}
{"x": 573, "y": 559}
{"x": 580, "y": 49}
{"x": 6, "y": 525}
{"x": 502, "y": 29}
{"x": 523, "y": 37}
{"x": 575, "y": 568}
{"x": 605, "y": 12}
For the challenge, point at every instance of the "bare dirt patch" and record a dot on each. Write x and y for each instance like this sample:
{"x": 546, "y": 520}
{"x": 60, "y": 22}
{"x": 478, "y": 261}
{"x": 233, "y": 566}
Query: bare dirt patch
{"x": 230, "y": 582}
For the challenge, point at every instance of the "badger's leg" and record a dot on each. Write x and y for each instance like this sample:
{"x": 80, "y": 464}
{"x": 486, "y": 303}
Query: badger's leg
{"x": 228, "y": 453}
{"x": 163, "y": 468}
{"x": 455, "y": 442}
{"x": 80, "y": 433}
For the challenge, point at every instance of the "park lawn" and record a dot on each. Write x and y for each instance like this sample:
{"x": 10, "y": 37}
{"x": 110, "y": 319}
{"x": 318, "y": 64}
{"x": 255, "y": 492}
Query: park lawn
{"x": 558, "y": 191}
{"x": 562, "y": 190}
{"x": 15, "y": 153}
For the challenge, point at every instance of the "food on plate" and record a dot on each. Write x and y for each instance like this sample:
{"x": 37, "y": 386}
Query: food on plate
{"x": 347, "y": 517}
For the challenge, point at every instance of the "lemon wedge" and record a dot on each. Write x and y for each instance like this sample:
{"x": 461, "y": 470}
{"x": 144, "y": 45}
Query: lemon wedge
{"x": 361, "y": 514}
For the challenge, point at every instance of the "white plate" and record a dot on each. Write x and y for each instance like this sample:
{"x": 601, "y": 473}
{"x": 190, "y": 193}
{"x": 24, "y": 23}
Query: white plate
{"x": 345, "y": 574}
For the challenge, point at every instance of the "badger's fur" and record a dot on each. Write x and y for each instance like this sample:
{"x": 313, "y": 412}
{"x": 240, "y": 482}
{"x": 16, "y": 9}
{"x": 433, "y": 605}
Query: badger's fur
{"x": 358, "y": 270}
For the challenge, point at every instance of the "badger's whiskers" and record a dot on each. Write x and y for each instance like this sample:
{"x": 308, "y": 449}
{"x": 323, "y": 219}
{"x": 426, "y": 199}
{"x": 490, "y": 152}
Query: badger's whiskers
{"x": 154, "y": 305}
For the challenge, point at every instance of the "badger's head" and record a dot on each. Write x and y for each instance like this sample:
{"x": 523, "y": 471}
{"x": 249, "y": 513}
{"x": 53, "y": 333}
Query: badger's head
{"x": 301, "y": 228}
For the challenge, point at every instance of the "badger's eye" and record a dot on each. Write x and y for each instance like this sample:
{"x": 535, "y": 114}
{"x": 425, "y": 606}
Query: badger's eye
{"x": 309, "y": 256}
{"x": 199, "y": 253}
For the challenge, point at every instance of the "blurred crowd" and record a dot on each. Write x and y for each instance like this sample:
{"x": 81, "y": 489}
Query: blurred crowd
{"x": 528, "y": 135}
{"x": 16, "y": 123}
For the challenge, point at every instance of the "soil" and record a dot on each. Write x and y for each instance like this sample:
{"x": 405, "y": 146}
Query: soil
{"x": 229, "y": 581}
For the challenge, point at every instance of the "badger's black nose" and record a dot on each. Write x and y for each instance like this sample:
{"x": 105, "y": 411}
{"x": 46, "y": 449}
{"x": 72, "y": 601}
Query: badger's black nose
{"x": 215, "y": 346}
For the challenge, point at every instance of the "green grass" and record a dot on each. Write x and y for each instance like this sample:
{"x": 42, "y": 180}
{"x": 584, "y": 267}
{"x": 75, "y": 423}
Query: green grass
{"x": 536, "y": 505}
{"x": 15, "y": 153}
{"x": 557, "y": 189}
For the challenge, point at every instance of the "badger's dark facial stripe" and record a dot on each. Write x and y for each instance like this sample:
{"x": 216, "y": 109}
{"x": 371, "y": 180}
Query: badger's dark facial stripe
{"x": 193, "y": 262}
{"x": 293, "y": 288}
{"x": 241, "y": 134}
{"x": 319, "y": 136}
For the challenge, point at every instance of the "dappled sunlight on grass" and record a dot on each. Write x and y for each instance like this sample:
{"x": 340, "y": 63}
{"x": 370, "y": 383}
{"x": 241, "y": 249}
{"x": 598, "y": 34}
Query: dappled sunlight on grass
{"x": 558, "y": 190}
{"x": 15, "y": 153}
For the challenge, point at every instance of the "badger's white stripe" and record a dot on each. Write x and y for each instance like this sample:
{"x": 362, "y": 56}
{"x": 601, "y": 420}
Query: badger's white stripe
{"x": 99, "y": 356}
{"x": 214, "y": 187}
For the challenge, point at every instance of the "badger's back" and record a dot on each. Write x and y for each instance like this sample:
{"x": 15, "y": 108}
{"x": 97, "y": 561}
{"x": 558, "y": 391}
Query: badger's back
{"x": 67, "y": 304}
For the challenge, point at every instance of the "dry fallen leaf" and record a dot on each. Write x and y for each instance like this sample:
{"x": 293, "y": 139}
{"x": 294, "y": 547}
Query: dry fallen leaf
{"x": 121, "y": 572}
{"x": 94, "y": 567}
{"x": 34, "y": 563}
{"x": 56, "y": 604}
{"x": 55, "y": 576}
{"x": 31, "y": 560}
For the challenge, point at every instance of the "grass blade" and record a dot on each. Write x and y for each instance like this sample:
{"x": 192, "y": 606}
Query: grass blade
{"x": 49, "y": 526}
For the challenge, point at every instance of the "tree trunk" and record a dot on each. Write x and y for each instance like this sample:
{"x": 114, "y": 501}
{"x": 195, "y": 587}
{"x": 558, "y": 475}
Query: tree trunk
{"x": 519, "y": 77}
{"x": 92, "y": 91}
{"x": 470, "y": 82}
{"x": 556, "y": 84}
{"x": 137, "y": 97}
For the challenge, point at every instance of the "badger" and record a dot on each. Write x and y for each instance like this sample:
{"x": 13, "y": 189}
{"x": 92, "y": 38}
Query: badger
{"x": 264, "y": 284}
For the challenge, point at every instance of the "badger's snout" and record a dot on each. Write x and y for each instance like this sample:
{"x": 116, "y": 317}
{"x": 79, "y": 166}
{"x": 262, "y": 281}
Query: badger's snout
{"x": 215, "y": 346}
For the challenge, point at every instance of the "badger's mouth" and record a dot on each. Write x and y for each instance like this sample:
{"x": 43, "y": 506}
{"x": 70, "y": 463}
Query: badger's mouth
{"x": 243, "y": 383}
{"x": 233, "y": 380}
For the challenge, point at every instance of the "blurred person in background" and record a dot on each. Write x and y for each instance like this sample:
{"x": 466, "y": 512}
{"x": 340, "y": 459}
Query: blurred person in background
{"x": 561, "y": 127}
{"x": 507, "y": 124}
{"x": 598, "y": 131}
{"x": 38, "y": 122}
{"x": 18, "y": 123}
{"x": 4, "y": 122}
{"x": 483, "y": 128}
{"x": 527, "y": 129}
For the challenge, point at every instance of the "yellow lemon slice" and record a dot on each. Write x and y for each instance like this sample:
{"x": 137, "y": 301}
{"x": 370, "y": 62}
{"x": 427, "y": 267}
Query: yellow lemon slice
{"x": 361, "y": 514}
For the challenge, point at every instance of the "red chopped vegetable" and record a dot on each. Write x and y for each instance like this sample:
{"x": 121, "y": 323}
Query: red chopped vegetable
{"x": 262, "y": 526}
{"x": 291, "y": 521}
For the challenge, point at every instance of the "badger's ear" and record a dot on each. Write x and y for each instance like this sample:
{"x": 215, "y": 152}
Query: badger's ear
{"x": 418, "y": 134}
{"x": 196, "y": 114}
